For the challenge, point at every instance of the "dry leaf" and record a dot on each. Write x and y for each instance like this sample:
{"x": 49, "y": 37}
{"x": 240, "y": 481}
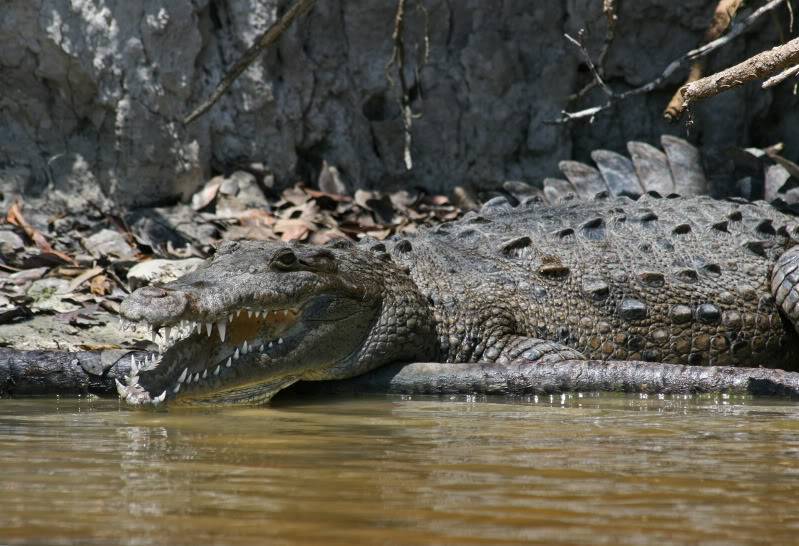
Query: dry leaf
{"x": 15, "y": 217}
{"x": 101, "y": 285}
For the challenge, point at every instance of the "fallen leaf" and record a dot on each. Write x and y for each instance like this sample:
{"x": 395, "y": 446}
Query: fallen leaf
{"x": 15, "y": 217}
{"x": 206, "y": 196}
{"x": 83, "y": 277}
{"x": 101, "y": 285}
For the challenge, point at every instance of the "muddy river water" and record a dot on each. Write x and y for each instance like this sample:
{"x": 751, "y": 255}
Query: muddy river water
{"x": 605, "y": 469}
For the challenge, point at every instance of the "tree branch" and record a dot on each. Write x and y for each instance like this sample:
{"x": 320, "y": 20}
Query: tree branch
{"x": 691, "y": 56}
{"x": 272, "y": 34}
{"x": 762, "y": 65}
{"x": 722, "y": 18}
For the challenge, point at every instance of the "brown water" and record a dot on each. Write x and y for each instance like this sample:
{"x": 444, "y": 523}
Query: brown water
{"x": 387, "y": 470}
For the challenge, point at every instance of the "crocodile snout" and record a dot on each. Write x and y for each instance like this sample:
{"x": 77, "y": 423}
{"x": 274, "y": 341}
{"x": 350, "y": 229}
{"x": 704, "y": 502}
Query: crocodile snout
{"x": 154, "y": 305}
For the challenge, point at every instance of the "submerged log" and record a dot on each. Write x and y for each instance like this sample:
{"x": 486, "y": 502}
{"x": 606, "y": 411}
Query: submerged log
{"x": 25, "y": 373}
{"x": 566, "y": 376}
{"x": 60, "y": 372}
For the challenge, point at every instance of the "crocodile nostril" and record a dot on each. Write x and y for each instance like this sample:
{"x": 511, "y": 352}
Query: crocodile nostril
{"x": 153, "y": 292}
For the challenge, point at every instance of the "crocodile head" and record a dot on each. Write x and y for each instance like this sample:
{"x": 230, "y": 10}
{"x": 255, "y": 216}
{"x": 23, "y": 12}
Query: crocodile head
{"x": 259, "y": 316}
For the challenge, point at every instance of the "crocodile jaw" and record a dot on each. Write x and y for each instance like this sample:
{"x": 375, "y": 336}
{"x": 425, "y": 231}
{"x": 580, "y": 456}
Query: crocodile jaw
{"x": 227, "y": 361}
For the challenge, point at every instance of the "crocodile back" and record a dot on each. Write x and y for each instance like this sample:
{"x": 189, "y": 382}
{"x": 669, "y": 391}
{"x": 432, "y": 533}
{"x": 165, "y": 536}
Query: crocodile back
{"x": 683, "y": 280}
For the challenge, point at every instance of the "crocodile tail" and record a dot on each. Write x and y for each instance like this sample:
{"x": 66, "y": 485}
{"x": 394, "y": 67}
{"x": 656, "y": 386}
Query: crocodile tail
{"x": 678, "y": 168}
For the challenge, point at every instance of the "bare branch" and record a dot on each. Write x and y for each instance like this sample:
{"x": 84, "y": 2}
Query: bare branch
{"x": 781, "y": 77}
{"x": 691, "y": 56}
{"x": 762, "y": 65}
{"x": 272, "y": 34}
{"x": 590, "y": 63}
{"x": 722, "y": 18}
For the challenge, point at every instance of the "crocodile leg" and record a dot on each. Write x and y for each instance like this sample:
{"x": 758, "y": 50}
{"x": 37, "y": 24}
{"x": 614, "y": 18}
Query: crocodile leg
{"x": 527, "y": 349}
{"x": 785, "y": 284}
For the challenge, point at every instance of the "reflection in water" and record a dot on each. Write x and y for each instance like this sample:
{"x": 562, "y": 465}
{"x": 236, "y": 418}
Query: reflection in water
{"x": 392, "y": 470}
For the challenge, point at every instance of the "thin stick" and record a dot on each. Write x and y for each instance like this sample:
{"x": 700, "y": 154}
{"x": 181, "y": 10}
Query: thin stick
{"x": 722, "y": 18}
{"x": 272, "y": 34}
{"x": 781, "y": 77}
{"x": 762, "y": 65}
{"x": 691, "y": 56}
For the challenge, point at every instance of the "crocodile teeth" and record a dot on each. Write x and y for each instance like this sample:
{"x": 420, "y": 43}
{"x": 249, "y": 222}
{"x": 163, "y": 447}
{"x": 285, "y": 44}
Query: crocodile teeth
{"x": 160, "y": 398}
{"x": 222, "y": 325}
{"x": 228, "y": 363}
{"x": 205, "y": 374}
{"x": 217, "y": 369}
{"x": 134, "y": 368}
{"x": 208, "y": 327}
{"x": 236, "y": 355}
{"x": 177, "y": 388}
{"x": 196, "y": 377}
{"x": 167, "y": 334}
{"x": 262, "y": 348}
{"x": 182, "y": 377}
{"x": 279, "y": 341}
{"x": 121, "y": 389}
{"x": 245, "y": 348}
{"x": 270, "y": 344}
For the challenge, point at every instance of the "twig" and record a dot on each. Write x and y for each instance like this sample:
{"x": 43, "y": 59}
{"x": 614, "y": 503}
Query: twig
{"x": 691, "y": 56}
{"x": 590, "y": 63}
{"x": 781, "y": 77}
{"x": 272, "y": 34}
{"x": 762, "y": 65}
{"x": 722, "y": 18}
{"x": 398, "y": 60}
{"x": 609, "y": 9}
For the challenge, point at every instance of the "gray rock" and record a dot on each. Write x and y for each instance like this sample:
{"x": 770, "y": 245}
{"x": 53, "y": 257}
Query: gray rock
{"x": 108, "y": 242}
{"x": 160, "y": 271}
{"x": 91, "y": 94}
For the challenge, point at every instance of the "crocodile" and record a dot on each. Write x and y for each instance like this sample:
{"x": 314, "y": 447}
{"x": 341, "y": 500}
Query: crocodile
{"x": 598, "y": 266}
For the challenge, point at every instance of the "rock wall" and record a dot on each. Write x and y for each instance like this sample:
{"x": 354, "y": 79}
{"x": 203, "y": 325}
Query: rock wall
{"x": 92, "y": 91}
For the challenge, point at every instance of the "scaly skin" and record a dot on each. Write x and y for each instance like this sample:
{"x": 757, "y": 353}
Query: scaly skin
{"x": 681, "y": 280}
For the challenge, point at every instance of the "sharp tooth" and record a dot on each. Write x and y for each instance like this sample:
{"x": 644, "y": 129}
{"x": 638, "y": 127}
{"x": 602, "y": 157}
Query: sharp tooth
{"x": 160, "y": 398}
{"x": 182, "y": 377}
{"x": 230, "y": 317}
{"x": 236, "y": 354}
{"x": 205, "y": 374}
{"x": 279, "y": 341}
{"x": 270, "y": 344}
{"x": 196, "y": 377}
{"x": 245, "y": 348}
{"x": 262, "y": 348}
{"x": 249, "y": 313}
{"x": 121, "y": 389}
{"x": 208, "y": 327}
{"x": 134, "y": 368}
{"x": 167, "y": 335}
{"x": 177, "y": 388}
{"x": 222, "y": 325}
{"x": 216, "y": 370}
{"x": 228, "y": 363}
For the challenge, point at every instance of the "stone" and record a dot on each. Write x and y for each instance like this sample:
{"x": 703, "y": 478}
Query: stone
{"x": 160, "y": 271}
{"x": 108, "y": 242}
{"x": 93, "y": 92}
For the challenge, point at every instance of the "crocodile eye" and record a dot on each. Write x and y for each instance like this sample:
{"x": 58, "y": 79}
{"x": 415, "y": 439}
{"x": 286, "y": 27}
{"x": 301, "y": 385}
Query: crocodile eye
{"x": 285, "y": 259}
